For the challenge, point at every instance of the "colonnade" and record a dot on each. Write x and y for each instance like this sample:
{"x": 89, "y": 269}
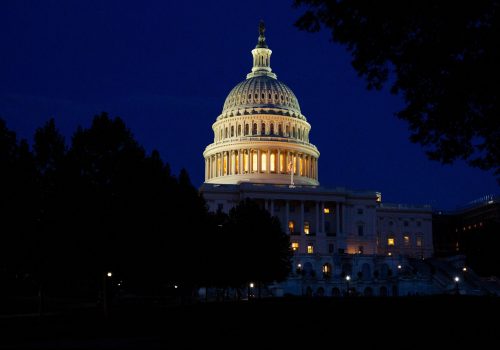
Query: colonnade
{"x": 266, "y": 161}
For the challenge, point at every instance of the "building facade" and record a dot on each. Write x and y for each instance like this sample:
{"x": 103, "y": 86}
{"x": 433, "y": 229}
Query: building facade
{"x": 343, "y": 240}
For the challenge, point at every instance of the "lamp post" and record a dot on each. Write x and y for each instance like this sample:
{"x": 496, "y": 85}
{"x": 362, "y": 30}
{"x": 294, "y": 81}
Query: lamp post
{"x": 457, "y": 290}
{"x": 347, "y": 279}
{"x": 106, "y": 276}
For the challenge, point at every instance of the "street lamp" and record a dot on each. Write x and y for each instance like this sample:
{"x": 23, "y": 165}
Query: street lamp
{"x": 457, "y": 279}
{"x": 347, "y": 279}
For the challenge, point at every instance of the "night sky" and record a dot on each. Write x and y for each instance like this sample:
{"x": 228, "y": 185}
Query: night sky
{"x": 166, "y": 68}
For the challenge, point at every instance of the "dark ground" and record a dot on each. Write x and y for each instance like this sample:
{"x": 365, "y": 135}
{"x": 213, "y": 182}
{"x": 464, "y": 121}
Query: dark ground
{"x": 377, "y": 322}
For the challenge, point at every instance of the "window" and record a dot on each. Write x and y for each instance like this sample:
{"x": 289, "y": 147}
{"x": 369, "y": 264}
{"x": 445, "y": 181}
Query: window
{"x": 263, "y": 129}
{"x": 310, "y": 249}
{"x": 405, "y": 223}
{"x": 326, "y": 210}
{"x": 245, "y": 162}
{"x": 254, "y": 129}
{"x": 271, "y": 129}
{"x": 360, "y": 211}
{"x": 390, "y": 241}
{"x": 220, "y": 207}
{"x": 360, "y": 230}
{"x": 239, "y": 130}
{"x": 295, "y": 246}
{"x": 419, "y": 241}
{"x": 291, "y": 226}
{"x": 263, "y": 161}
{"x": 327, "y": 226}
{"x": 360, "y": 249}
{"x": 272, "y": 163}
{"x": 292, "y": 208}
{"x": 246, "y": 129}
{"x": 306, "y": 227}
{"x": 254, "y": 161}
{"x": 406, "y": 240}
{"x": 331, "y": 248}
{"x": 280, "y": 130}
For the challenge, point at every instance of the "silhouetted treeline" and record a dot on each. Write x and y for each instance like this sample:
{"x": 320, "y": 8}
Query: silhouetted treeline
{"x": 71, "y": 212}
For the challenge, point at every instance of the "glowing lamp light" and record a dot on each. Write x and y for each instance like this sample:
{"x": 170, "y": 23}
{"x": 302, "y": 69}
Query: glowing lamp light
{"x": 176, "y": 286}
{"x": 464, "y": 269}
{"x": 299, "y": 265}
{"x": 457, "y": 279}
{"x": 347, "y": 278}
{"x": 399, "y": 267}
{"x": 109, "y": 274}
{"x": 251, "y": 285}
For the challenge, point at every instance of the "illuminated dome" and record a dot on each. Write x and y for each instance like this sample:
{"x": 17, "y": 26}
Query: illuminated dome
{"x": 261, "y": 92}
{"x": 261, "y": 134}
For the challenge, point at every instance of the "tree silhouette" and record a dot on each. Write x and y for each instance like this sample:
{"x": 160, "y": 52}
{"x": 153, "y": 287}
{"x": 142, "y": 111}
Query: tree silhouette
{"x": 444, "y": 60}
{"x": 255, "y": 247}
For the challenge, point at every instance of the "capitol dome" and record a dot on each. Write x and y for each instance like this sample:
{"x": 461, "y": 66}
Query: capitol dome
{"x": 261, "y": 135}
{"x": 262, "y": 92}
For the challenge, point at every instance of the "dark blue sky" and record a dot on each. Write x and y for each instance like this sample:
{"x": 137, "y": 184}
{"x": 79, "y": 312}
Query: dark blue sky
{"x": 166, "y": 68}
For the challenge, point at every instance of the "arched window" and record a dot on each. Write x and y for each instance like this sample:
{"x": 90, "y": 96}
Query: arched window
{"x": 254, "y": 161}
{"x": 280, "y": 130}
{"x": 263, "y": 161}
{"x": 287, "y": 130}
{"x": 272, "y": 163}
{"x": 263, "y": 128}
{"x": 232, "y": 131}
{"x": 246, "y": 129}
{"x": 254, "y": 129}
{"x": 294, "y": 135}
{"x": 271, "y": 129}
{"x": 282, "y": 163}
{"x": 239, "y": 130}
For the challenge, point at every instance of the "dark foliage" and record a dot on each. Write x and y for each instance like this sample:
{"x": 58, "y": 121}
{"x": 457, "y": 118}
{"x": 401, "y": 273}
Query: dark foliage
{"x": 71, "y": 213}
{"x": 444, "y": 59}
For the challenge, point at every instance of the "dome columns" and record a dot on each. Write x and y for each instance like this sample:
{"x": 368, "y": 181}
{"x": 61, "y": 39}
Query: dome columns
{"x": 252, "y": 163}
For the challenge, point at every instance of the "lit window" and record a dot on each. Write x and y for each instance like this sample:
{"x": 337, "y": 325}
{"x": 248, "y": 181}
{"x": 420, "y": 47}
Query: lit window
{"x": 406, "y": 239}
{"x": 254, "y": 161}
{"x": 272, "y": 162}
{"x": 306, "y": 227}
{"x": 326, "y": 268}
{"x": 263, "y": 163}
{"x": 390, "y": 241}
{"x": 419, "y": 241}
{"x": 291, "y": 226}
{"x": 295, "y": 246}
{"x": 310, "y": 249}
{"x": 326, "y": 210}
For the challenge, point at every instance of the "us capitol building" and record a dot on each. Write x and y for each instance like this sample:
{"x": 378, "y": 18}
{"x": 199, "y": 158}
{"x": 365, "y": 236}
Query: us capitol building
{"x": 344, "y": 241}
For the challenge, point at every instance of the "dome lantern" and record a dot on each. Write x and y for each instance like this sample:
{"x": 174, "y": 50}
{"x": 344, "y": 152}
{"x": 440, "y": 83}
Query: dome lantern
{"x": 261, "y": 56}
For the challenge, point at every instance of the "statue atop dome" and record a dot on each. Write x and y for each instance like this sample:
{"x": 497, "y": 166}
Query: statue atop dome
{"x": 262, "y": 28}
{"x": 262, "y": 39}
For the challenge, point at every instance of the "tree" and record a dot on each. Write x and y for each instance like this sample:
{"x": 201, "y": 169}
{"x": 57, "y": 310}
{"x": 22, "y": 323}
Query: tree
{"x": 255, "y": 247}
{"x": 444, "y": 61}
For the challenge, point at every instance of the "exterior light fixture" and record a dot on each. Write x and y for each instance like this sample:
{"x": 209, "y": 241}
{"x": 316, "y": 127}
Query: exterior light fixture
{"x": 109, "y": 274}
